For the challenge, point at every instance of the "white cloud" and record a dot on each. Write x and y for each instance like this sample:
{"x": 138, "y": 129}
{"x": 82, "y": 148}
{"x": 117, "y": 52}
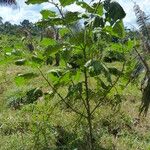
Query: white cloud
{"x": 31, "y": 12}
{"x": 23, "y": 11}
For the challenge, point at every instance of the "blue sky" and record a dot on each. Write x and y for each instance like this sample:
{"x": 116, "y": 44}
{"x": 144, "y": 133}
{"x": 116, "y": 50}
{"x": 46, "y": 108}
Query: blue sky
{"x": 32, "y": 12}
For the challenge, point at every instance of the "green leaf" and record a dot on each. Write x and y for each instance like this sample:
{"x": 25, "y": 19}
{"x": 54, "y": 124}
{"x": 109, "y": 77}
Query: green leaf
{"x": 114, "y": 71}
{"x": 77, "y": 75}
{"x": 20, "y": 62}
{"x": 74, "y": 91}
{"x": 118, "y": 29}
{"x": 54, "y": 75}
{"x": 65, "y": 78}
{"x": 48, "y": 41}
{"x": 95, "y": 67}
{"x": 36, "y": 1}
{"x": 32, "y": 95}
{"x": 8, "y": 54}
{"x": 21, "y": 79}
{"x": 63, "y": 31}
{"x": 47, "y": 13}
{"x": 71, "y": 17}
{"x": 130, "y": 44}
{"x": 27, "y": 75}
{"x": 99, "y": 8}
{"x": 66, "y": 2}
{"x": 55, "y": 72}
{"x": 37, "y": 60}
{"x": 51, "y": 22}
{"x": 52, "y": 49}
{"x": 116, "y": 11}
{"x": 108, "y": 29}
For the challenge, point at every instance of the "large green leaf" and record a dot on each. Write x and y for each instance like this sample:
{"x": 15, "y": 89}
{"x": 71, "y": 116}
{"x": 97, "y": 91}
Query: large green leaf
{"x": 52, "y": 49}
{"x": 99, "y": 8}
{"x": 66, "y": 2}
{"x": 95, "y": 67}
{"x": 71, "y": 17}
{"x": 48, "y": 42}
{"x": 114, "y": 71}
{"x": 21, "y": 79}
{"x": 54, "y": 75}
{"x": 47, "y": 13}
{"x": 118, "y": 29}
{"x": 32, "y": 95}
{"x": 64, "y": 31}
{"x": 64, "y": 79}
{"x": 51, "y": 21}
{"x": 20, "y": 62}
{"x": 37, "y": 60}
{"x": 116, "y": 11}
{"x": 27, "y": 75}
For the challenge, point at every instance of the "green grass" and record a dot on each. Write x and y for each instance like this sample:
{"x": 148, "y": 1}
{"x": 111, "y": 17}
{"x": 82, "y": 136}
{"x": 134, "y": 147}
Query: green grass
{"x": 35, "y": 126}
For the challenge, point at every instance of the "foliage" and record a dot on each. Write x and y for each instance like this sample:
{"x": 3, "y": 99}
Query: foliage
{"x": 81, "y": 57}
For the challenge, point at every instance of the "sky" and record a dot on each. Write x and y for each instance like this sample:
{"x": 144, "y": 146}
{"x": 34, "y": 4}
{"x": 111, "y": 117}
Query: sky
{"x": 32, "y": 12}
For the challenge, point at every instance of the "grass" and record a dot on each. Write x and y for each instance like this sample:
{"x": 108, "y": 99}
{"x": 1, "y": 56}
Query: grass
{"x": 37, "y": 126}
{"x": 20, "y": 128}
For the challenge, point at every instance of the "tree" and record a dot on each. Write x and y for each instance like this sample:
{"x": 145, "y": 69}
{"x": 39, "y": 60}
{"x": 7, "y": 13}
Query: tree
{"x": 86, "y": 49}
{"x": 82, "y": 60}
{"x": 26, "y": 24}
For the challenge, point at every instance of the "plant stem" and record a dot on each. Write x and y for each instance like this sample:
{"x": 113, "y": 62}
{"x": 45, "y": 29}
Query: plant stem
{"x": 88, "y": 108}
{"x": 143, "y": 61}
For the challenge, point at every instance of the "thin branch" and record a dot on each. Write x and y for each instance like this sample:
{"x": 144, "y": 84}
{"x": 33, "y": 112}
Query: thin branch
{"x": 113, "y": 85}
{"x": 90, "y": 28}
{"x": 143, "y": 61}
{"x": 84, "y": 103}
{"x": 63, "y": 17}
{"x": 53, "y": 88}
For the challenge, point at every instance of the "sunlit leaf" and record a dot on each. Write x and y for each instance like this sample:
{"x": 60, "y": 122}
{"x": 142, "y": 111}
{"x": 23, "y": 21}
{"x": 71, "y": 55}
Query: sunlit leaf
{"x": 118, "y": 29}
{"x": 47, "y": 13}
{"x": 66, "y": 2}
